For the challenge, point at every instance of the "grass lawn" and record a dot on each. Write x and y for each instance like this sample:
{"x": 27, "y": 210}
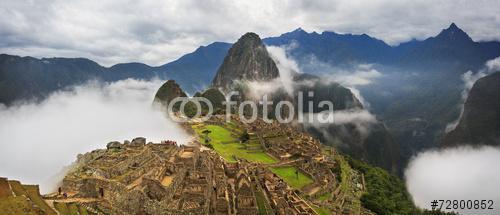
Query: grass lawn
{"x": 16, "y": 205}
{"x": 261, "y": 202}
{"x": 62, "y": 208}
{"x": 289, "y": 176}
{"x": 324, "y": 197}
{"x": 345, "y": 174}
{"x": 33, "y": 193}
{"x": 219, "y": 136}
{"x": 322, "y": 211}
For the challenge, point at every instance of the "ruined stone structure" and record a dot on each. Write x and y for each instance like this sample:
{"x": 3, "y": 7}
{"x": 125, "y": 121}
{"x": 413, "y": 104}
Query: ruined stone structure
{"x": 167, "y": 178}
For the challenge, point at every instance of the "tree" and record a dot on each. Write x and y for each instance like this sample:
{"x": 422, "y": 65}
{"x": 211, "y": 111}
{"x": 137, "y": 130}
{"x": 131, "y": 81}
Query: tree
{"x": 244, "y": 137}
{"x": 206, "y": 132}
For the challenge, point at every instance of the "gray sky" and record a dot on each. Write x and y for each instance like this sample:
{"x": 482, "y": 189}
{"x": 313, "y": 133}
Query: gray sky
{"x": 156, "y": 32}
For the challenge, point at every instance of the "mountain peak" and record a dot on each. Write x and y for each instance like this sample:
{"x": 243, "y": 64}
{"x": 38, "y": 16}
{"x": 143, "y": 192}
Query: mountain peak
{"x": 299, "y": 30}
{"x": 453, "y": 32}
{"x": 247, "y": 59}
{"x": 453, "y": 26}
{"x": 250, "y": 36}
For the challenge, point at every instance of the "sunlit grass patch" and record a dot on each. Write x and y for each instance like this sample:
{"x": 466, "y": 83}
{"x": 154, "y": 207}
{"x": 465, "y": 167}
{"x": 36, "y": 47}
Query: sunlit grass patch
{"x": 292, "y": 176}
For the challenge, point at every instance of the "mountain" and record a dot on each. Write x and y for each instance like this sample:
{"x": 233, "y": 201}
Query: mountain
{"x": 367, "y": 140}
{"x": 168, "y": 91}
{"x": 216, "y": 97}
{"x": 451, "y": 48}
{"x": 332, "y": 48}
{"x": 480, "y": 120}
{"x": 416, "y": 96}
{"x": 246, "y": 60}
{"x": 28, "y": 78}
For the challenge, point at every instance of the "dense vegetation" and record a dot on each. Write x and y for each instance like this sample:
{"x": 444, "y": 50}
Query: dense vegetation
{"x": 386, "y": 193}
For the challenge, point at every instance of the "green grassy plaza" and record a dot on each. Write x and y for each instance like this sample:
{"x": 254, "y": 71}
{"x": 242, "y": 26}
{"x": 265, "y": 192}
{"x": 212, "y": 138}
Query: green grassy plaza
{"x": 292, "y": 176}
{"x": 228, "y": 145}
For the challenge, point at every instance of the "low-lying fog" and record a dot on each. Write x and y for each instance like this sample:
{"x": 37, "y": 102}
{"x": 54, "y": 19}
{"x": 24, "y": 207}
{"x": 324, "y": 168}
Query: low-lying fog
{"x": 456, "y": 174}
{"x": 38, "y": 140}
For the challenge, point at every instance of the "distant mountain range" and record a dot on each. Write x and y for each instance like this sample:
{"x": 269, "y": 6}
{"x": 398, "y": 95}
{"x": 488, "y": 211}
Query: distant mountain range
{"x": 28, "y": 77}
{"x": 32, "y": 78}
{"x": 417, "y": 95}
{"x": 451, "y": 47}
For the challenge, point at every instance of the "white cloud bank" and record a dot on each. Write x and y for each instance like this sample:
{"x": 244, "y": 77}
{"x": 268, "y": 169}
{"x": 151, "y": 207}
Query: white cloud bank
{"x": 38, "y": 140}
{"x": 455, "y": 174}
{"x": 360, "y": 118}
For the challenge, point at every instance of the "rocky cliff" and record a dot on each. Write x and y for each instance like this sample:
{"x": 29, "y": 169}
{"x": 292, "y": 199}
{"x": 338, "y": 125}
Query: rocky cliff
{"x": 480, "y": 121}
{"x": 247, "y": 59}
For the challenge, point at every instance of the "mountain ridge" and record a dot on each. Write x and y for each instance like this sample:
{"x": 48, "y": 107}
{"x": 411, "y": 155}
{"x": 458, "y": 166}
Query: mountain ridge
{"x": 192, "y": 70}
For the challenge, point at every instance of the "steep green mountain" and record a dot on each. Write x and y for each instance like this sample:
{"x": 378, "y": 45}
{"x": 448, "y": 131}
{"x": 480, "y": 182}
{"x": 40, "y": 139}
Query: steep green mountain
{"x": 480, "y": 120}
{"x": 247, "y": 60}
{"x": 168, "y": 91}
{"x": 216, "y": 97}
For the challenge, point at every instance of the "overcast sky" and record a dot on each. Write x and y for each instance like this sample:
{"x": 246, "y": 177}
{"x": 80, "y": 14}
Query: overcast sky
{"x": 156, "y": 32}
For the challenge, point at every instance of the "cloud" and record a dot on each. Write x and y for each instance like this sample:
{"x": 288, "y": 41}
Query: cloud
{"x": 38, "y": 140}
{"x": 455, "y": 174}
{"x": 286, "y": 66}
{"x": 493, "y": 65}
{"x": 156, "y": 32}
{"x": 352, "y": 78}
{"x": 469, "y": 78}
{"x": 364, "y": 75}
{"x": 360, "y": 118}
